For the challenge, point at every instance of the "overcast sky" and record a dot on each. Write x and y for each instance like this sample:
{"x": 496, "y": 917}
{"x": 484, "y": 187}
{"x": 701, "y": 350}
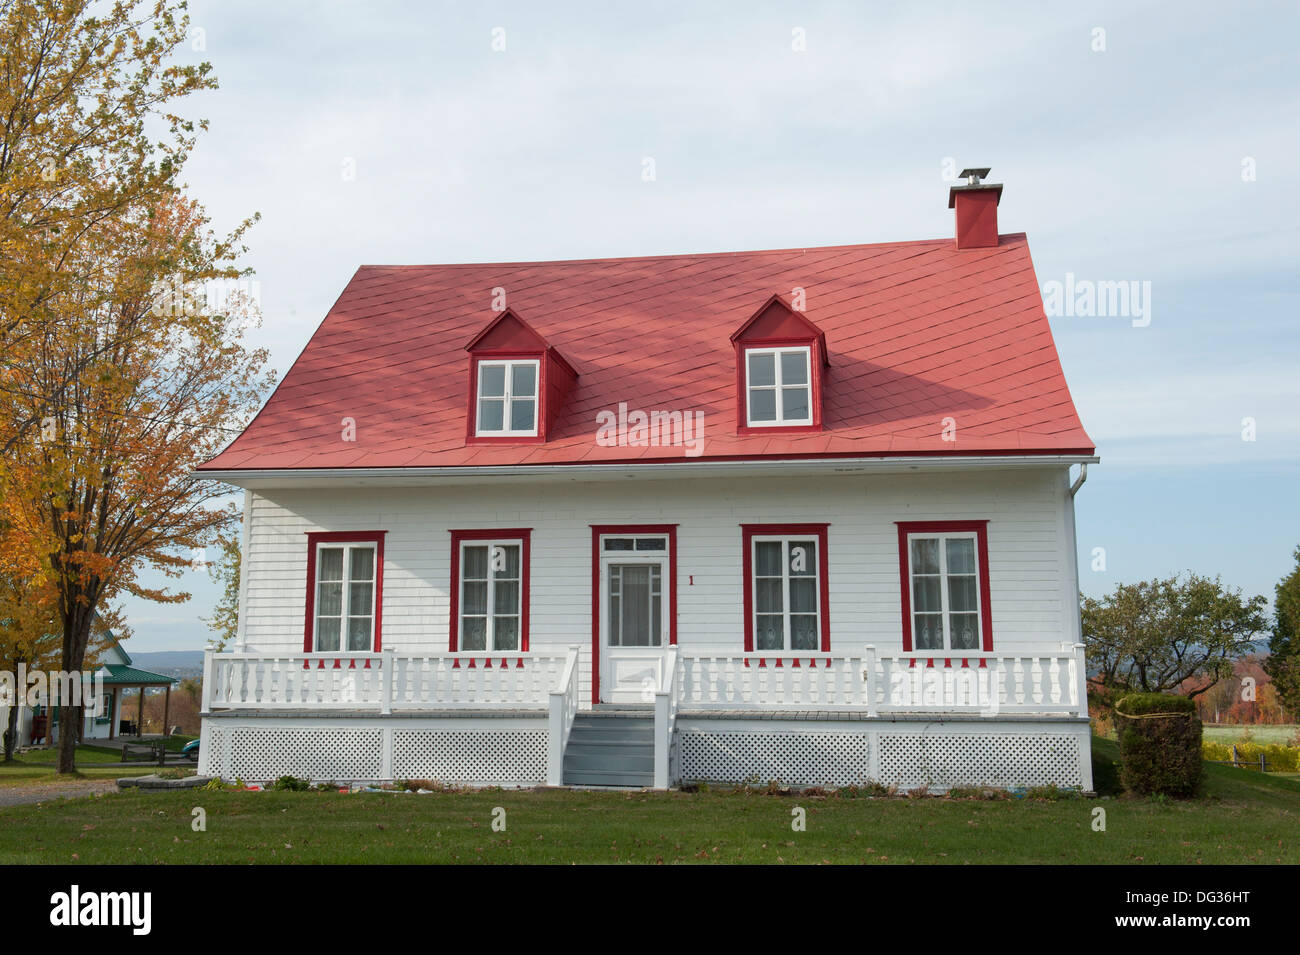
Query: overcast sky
{"x": 1137, "y": 142}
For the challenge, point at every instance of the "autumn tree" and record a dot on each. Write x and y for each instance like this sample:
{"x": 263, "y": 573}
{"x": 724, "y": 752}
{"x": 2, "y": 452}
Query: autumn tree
{"x": 1283, "y": 663}
{"x": 119, "y": 376}
{"x": 89, "y": 135}
{"x": 225, "y": 570}
{"x": 1155, "y": 635}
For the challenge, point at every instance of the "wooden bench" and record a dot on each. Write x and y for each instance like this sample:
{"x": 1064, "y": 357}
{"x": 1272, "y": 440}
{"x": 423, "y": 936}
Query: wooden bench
{"x": 144, "y": 752}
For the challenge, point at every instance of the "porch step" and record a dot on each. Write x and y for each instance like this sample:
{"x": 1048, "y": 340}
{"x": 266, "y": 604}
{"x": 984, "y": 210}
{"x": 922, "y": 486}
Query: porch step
{"x": 611, "y": 748}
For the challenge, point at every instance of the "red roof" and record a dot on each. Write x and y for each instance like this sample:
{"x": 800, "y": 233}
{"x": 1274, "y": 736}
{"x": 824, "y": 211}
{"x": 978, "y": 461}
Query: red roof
{"x": 915, "y": 331}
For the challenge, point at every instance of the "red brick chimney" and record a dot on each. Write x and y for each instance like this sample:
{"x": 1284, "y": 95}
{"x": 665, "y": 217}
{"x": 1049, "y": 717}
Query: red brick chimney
{"x": 976, "y": 203}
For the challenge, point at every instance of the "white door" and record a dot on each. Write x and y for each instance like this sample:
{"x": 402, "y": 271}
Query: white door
{"x": 634, "y": 617}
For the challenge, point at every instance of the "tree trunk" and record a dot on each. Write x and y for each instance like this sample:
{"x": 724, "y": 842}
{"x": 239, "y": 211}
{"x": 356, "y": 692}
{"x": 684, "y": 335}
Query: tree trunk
{"x": 11, "y": 731}
{"x": 76, "y": 635}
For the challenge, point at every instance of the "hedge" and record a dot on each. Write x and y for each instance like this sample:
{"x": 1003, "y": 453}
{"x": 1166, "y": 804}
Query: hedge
{"x": 1159, "y": 744}
{"x": 1279, "y": 757}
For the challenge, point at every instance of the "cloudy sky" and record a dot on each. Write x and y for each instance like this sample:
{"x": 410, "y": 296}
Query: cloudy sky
{"x": 1137, "y": 142}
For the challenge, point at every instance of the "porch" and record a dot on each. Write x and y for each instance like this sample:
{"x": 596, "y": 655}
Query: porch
{"x": 812, "y": 718}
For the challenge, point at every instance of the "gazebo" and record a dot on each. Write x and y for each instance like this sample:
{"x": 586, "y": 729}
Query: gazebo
{"x": 123, "y": 676}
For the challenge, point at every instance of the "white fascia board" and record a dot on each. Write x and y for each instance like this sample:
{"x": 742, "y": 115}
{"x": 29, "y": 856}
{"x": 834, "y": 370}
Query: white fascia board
{"x": 663, "y": 470}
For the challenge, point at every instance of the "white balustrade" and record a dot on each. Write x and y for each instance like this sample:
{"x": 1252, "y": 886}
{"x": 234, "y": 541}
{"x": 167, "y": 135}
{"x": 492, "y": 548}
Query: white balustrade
{"x": 563, "y": 710}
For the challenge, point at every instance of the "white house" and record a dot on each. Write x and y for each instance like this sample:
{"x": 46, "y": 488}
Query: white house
{"x": 803, "y": 514}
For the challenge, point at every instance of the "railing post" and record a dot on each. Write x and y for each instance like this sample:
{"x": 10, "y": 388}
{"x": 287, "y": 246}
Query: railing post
{"x": 869, "y": 678}
{"x": 555, "y": 740}
{"x": 1080, "y": 665}
{"x": 386, "y": 681}
{"x": 207, "y": 680}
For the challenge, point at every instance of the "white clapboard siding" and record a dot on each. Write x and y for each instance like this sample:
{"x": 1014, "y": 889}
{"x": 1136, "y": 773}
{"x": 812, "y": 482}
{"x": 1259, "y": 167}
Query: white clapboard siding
{"x": 1032, "y": 574}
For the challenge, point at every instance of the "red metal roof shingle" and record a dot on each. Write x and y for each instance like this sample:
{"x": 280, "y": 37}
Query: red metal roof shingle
{"x": 916, "y": 332}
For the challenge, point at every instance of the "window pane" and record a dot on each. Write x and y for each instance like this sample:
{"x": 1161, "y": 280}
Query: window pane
{"x": 327, "y": 635}
{"x": 521, "y": 415}
{"x": 762, "y": 405}
{"x": 636, "y": 606}
{"x": 359, "y": 599}
{"x": 473, "y": 633}
{"x": 505, "y": 597}
{"x": 925, "y": 555}
{"x": 474, "y": 563}
{"x": 330, "y": 564}
{"x": 794, "y": 368}
{"x": 650, "y": 543}
{"x": 505, "y": 561}
{"x": 925, "y": 595}
{"x": 794, "y": 404}
{"x": 363, "y": 563}
{"x": 523, "y": 381}
{"x": 505, "y": 633}
{"x": 615, "y": 631}
{"x": 768, "y": 593}
{"x": 961, "y": 555}
{"x": 965, "y": 631}
{"x": 768, "y": 558}
{"x": 927, "y": 631}
{"x": 329, "y": 599}
{"x": 762, "y": 369}
{"x": 475, "y": 598}
{"x": 769, "y": 633}
{"x": 803, "y": 632}
{"x": 358, "y": 633}
{"x": 803, "y": 558}
{"x": 492, "y": 381}
{"x": 803, "y": 595}
{"x": 491, "y": 414}
{"x": 618, "y": 543}
{"x": 961, "y": 594}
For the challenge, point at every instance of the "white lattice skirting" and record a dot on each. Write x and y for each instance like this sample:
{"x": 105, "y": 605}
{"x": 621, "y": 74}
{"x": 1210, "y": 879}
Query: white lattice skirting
{"x": 938, "y": 756}
{"x": 508, "y": 752}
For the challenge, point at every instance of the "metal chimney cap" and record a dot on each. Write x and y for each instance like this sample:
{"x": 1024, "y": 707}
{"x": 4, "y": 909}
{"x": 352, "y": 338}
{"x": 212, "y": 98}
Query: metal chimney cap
{"x": 973, "y": 176}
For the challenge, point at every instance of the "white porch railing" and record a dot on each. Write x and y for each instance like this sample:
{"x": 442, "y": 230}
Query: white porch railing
{"x": 987, "y": 684}
{"x": 666, "y": 705}
{"x": 563, "y": 709}
{"x": 383, "y": 682}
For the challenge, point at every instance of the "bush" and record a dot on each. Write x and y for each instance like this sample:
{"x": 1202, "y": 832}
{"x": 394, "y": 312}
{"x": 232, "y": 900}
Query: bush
{"x": 1159, "y": 744}
{"x": 291, "y": 784}
{"x": 1278, "y": 757}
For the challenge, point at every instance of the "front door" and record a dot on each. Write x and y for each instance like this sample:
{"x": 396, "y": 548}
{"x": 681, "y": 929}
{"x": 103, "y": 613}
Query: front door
{"x": 634, "y": 615}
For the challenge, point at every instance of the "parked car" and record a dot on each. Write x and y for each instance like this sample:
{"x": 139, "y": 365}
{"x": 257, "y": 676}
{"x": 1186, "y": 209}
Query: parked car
{"x": 191, "y": 750}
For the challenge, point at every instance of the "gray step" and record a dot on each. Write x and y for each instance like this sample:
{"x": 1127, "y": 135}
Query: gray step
{"x": 605, "y": 762}
{"x": 597, "y": 778}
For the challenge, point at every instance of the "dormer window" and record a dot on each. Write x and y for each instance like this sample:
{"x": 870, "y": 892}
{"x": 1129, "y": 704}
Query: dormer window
{"x": 507, "y": 398}
{"x": 779, "y": 386}
{"x": 780, "y": 366}
{"x": 518, "y": 383}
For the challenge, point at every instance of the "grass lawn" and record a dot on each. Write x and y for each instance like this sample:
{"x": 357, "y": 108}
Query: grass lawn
{"x": 1243, "y": 817}
{"x": 37, "y": 766}
{"x": 1225, "y": 733}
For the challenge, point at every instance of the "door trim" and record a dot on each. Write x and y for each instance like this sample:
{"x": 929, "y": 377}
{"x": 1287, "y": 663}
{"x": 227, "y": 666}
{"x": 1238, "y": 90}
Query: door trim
{"x": 597, "y": 530}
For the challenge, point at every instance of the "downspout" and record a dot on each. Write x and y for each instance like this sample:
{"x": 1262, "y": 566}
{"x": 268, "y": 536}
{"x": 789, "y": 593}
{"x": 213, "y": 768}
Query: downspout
{"x": 1078, "y": 482}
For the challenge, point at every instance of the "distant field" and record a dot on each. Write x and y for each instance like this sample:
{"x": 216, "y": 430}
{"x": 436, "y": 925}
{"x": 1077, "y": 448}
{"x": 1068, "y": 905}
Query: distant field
{"x": 1226, "y": 733}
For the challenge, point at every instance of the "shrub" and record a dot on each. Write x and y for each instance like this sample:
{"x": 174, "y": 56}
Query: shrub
{"x": 291, "y": 784}
{"x": 1159, "y": 744}
{"x": 1278, "y": 757}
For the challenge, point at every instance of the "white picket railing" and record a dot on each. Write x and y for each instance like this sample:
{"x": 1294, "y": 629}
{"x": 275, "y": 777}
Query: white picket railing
{"x": 563, "y": 710}
{"x": 666, "y": 706}
{"x": 873, "y": 683}
{"x": 383, "y": 682}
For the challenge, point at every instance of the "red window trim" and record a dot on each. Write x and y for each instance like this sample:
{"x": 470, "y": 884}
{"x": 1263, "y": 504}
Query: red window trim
{"x": 747, "y": 534}
{"x": 524, "y": 535}
{"x": 344, "y": 537}
{"x": 980, "y": 529}
{"x": 597, "y": 530}
{"x": 471, "y": 417}
{"x": 815, "y": 361}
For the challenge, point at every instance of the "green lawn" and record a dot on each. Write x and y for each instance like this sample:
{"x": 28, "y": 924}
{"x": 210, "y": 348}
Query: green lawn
{"x": 1224, "y": 733}
{"x": 37, "y": 766}
{"x": 1243, "y": 817}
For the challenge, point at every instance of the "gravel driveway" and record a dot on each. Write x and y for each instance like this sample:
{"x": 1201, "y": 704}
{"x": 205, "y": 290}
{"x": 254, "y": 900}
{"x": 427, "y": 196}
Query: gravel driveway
{"x": 46, "y": 792}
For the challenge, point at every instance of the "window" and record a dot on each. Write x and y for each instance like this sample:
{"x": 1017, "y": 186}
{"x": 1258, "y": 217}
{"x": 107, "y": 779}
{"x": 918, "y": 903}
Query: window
{"x": 778, "y": 387}
{"x": 490, "y": 595}
{"x": 507, "y": 398}
{"x": 786, "y": 588}
{"x": 344, "y": 596}
{"x": 945, "y": 586}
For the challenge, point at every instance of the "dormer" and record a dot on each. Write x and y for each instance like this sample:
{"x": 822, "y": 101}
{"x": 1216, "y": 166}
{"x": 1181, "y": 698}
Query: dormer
{"x": 517, "y": 383}
{"x": 780, "y": 357}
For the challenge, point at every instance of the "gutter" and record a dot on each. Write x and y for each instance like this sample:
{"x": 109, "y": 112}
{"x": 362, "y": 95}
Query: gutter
{"x": 285, "y": 477}
{"x": 1083, "y": 476}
